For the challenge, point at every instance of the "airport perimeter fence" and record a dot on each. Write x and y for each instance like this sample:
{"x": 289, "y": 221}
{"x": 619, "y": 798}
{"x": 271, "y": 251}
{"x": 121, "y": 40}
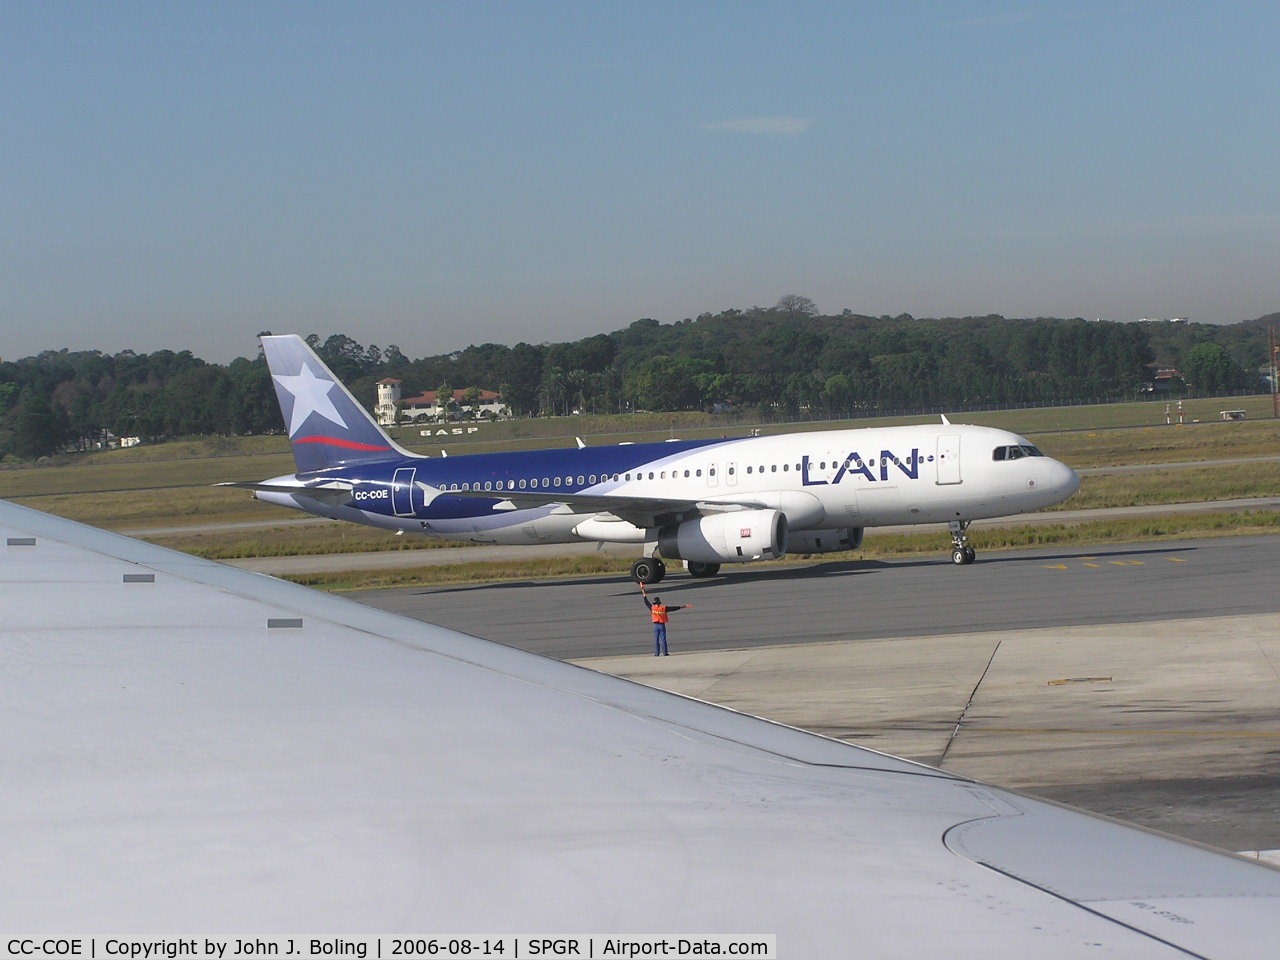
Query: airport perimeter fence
{"x": 775, "y": 417}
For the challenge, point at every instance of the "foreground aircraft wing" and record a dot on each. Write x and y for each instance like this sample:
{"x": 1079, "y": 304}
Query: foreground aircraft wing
{"x": 645, "y": 512}
{"x": 195, "y": 750}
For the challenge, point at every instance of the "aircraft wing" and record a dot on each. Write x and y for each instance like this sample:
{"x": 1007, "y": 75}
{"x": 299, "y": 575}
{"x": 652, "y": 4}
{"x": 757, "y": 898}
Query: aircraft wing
{"x": 195, "y": 750}
{"x": 647, "y": 512}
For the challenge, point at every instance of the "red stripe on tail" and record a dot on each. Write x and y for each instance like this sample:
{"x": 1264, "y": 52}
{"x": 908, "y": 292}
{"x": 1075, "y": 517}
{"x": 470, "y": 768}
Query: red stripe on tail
{"x": 335, "y": 442}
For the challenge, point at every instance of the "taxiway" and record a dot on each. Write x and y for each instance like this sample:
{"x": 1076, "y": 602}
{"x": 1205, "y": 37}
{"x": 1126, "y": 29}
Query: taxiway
{"x": 1138, "y": 681}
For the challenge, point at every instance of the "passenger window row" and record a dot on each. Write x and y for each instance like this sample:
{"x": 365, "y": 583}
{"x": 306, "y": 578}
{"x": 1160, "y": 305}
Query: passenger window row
{"x": 547, "y": 483}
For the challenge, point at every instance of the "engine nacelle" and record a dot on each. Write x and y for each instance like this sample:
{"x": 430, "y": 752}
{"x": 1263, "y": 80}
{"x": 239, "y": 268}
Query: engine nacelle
{"x": 825, "y": 541}
{"x": 736, "y": 537}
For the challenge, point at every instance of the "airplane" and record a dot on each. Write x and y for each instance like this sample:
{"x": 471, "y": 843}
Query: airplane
{"x": 705, "y": 502}
{"x": 195, "y": 750}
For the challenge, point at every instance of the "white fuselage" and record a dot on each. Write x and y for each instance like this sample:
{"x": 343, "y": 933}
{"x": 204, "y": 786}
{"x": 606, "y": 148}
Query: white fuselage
{"x": 820, "y": 480}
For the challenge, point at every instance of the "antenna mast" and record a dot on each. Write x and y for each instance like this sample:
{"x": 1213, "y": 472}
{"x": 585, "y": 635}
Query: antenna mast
{"x": 1273, "y": 358}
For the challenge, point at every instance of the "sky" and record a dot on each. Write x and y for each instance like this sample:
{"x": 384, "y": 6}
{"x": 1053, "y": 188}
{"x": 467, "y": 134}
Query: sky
{"x": 180, "y": 175}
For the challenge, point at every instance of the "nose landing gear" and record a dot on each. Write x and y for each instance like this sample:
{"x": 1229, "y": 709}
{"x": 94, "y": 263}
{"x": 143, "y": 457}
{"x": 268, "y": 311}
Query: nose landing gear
{"x": 962, "y": 552}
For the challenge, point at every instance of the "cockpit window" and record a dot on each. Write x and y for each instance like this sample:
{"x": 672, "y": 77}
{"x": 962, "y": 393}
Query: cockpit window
{"x": 1015, "y": 452}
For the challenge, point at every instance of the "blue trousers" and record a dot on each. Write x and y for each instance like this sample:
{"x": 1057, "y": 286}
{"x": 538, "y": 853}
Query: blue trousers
{"x": 659, "y": 639}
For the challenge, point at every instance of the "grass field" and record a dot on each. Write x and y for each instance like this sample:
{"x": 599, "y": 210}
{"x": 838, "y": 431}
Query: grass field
{"x": 1125, "y": 446}
{"x": 1175, "y": 485}
{"x": 525, "y": 434}
{"x": 295, "y": 541}
{"x": 170, "y": 484}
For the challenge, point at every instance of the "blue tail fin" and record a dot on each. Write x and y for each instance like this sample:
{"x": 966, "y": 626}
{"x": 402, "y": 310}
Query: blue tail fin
{"x": 327, "y": 427}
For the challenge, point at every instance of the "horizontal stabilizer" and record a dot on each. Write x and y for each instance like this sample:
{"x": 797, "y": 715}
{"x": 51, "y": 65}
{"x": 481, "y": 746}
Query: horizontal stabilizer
{"x": 334, "y": 493}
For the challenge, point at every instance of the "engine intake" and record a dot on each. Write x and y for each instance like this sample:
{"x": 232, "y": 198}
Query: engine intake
{"x": 727, "y": 537}
{"x": 825, "y": 541}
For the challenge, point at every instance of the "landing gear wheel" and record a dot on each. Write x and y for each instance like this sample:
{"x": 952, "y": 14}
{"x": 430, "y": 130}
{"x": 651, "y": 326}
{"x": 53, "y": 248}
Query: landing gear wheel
{"x": 648, "y": 570}
{"x": 962, "y": 553}
{"x": 698, "y": 569}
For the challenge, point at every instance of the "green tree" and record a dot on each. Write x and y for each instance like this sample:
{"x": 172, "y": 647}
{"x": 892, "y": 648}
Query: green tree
{"x": 521, "y": 378}
{"x": 670, "y": 383}
{"x": 553, "y": 392}
{"x": 837, "y": 393}
{"x": 793, "y": 303}
{"x": 471, "y": 399}
{"x": 36, "y": 427}
{"x": 444, "y": 399}
{"x": 1208, "y": 369}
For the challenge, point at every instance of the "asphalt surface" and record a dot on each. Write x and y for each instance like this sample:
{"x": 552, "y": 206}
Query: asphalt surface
{"x": 1141, "y": 682}
{"x": 862, "y": 600}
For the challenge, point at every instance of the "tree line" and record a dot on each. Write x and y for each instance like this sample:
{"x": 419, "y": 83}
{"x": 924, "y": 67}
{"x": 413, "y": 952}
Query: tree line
{"x": 785, "y": 360}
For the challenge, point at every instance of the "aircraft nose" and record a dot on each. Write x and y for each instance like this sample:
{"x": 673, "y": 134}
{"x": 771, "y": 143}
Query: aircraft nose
{"x": 1063, "y": 479}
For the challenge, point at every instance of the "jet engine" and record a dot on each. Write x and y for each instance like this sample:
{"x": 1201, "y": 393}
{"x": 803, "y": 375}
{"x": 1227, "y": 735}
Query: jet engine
{"x": 736, "y": 537}
{"x": 825, "y": 541}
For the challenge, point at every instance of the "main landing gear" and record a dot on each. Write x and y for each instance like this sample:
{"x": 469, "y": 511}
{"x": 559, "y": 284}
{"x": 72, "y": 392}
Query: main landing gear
{"x": 962, "y": 552}
{"x": 648, "y": 570}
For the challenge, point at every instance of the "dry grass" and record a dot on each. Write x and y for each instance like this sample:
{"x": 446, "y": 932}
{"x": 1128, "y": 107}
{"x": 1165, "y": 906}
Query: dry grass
{"x": 105, "y": 476}
{"x": 297, "y": 540}
{"x": 528, "y": 434}
{"x": 168, "y": 507}
{"x": 1175, "y": 485}
{"x": 1176, "y": 444}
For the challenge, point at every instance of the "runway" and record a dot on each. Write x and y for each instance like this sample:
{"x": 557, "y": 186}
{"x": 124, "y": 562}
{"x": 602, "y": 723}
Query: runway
{"x": 1140, "y": 681}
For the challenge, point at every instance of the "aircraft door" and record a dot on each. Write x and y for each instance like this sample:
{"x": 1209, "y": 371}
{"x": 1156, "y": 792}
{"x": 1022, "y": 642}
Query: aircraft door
{"x": 713, "y": 478}
{"x": 402, "y": 491}
{"x": 731, "y": 474}
{"x": 948, "y": 459}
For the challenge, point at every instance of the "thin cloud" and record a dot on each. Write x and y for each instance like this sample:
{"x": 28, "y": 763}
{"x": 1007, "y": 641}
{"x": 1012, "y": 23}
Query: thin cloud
{"x": 764, "y": 126}
{"x": 1001, "y": 19}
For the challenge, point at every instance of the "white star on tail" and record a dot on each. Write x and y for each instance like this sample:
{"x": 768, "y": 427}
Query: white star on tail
{"x": 310, "y": 395}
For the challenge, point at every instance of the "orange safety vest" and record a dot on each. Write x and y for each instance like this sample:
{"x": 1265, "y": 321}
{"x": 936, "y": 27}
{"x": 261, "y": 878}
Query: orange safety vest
{"x": 659, "y": 612}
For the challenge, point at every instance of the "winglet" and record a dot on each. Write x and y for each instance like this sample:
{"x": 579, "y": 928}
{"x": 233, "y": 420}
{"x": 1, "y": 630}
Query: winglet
{"x": 581, "y": 445}
{"x": 945, "y": 420}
